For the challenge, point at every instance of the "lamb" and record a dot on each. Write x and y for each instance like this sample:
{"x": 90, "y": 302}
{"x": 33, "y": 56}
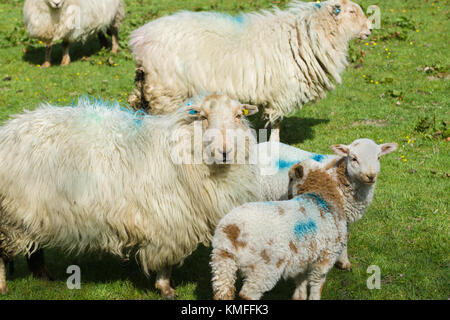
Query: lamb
{"x": 72, "y": 20}
{"x": 278, "y": 59}
{"x": 303, "y": 237}
{"x": 97, "y": 178}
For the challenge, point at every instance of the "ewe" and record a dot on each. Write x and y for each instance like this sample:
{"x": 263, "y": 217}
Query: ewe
{"x": 278, "y": 59}
{"x": 301, "y": 238}
{"x": 93, "y": 177}
{"x": 72, "y": 20}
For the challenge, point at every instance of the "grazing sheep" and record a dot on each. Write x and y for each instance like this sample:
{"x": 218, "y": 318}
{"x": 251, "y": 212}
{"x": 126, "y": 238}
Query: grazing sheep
{"x": 301, "y": 238}
{"x": 93, "y": 177}
{"x": 72, "y": 20}
{"x": 278, "y": 59}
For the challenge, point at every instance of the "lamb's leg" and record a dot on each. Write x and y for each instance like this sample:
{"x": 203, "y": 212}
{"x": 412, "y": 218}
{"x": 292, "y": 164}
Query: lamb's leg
{"x": 66, "y": 56}
{"x": 102, "y": 40}
{"x": 343, "y": 262}
{"x": 224, "y": 270}
{"x": 3, "y": 286}
{"x": 115, "y": 40}
{"x": 301, "y": 290}
{"x": 163, "y": 283}
{"x": 36, "y": 265}
{"x": 261, "y": 279}
{"x": 316, "y": 278}
{"x": 48, "y": 56}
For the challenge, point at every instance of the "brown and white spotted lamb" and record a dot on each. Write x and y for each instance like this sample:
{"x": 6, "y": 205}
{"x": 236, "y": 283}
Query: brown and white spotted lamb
{"x": 303, "y": 237}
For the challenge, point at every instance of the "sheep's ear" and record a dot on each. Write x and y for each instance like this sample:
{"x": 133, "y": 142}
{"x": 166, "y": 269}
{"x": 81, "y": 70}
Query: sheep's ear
{"x": 388, "y": 148}
{"x": 296, "y": 171}
{"x": 249, "y": 109}
{"x": 340, "y": 149}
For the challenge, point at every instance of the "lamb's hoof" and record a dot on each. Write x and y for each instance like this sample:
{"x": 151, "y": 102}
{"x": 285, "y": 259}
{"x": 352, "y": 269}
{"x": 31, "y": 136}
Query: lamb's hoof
{"x": 343, "y": 265}
{"x": 4, "y": 290}
{"x": 168, "y": 293}
{"x": 46, "y": 65}
{"x": 114, "y": 50}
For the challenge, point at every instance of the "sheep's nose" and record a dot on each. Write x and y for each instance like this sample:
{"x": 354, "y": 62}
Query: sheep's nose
{"x": 370, "y": 177}
{"x": 224, "y": 155}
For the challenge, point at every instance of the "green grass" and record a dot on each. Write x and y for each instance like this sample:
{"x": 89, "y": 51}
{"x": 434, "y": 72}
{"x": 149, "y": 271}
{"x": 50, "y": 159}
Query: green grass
{"x": 406, "y": 230}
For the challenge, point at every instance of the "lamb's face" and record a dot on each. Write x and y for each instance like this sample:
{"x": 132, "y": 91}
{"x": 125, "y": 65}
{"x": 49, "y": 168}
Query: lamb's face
{"x": 55, "y": 4}
{"x": 351, "y": 19}
{"x": 363, "y": 158}
{"x": 223, "y": 121}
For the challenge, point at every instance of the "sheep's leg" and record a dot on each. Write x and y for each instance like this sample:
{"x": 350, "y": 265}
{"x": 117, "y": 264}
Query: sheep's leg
{"x": 115, "y": 40}
{"x": 224, "y": 270}
{"x": 48, "y": 56}
{"x": 3, "y": 286}
{"x": 163, "y": 283}
{"x": 102, "y": 40}
{"x": 301, "y": 291}
{"x": 66, "y": 56}
{"x": 261, "y": 279}
{"x": 36, "y": 265}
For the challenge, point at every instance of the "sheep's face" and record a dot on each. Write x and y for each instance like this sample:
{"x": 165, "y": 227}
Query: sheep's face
{"x": 351, "y": 20}
{"x": 223, "y": 120}
{"x": 55, "y": 4}
{"x": 363, "y": 158}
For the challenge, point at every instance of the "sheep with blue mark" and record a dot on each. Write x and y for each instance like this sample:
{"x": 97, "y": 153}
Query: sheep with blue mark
{"x": 99, "y": 178}
{"x": 277, "y": 59}
{"x": 301, "y": 238}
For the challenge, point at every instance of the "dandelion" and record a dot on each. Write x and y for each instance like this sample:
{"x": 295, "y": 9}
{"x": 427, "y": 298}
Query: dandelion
{"x": 407, "y": 137}
{"x": 364, "y": 75}
{"x": 417, "y": 30}
{"x": 376, "y": 82}
{"x": 371, "y": 81}
{"x": 115, "y": 64}
{"x": 40, "y": 42}
{"x": 100, "y": 63}
{"x": 386, "y": 49}
{"x": 367, "y": 43}
{"x": 411, "y": 43}
{"x": 38, "y": 65}
{"x": 116, "y": 77}
{"x": 381, "y": 140}
{"x": 27, "y": 79}
{"x": 78, "y": 74}
{"x": 409, "y": 141}
{"x": 402, "y": 157}
{"x": 389, "y": 53}
{"x": 59, "y": 100}
{"x": 403, "y": 10}
{"x": 374, "y": 43}
{"x": 404, "y": 160}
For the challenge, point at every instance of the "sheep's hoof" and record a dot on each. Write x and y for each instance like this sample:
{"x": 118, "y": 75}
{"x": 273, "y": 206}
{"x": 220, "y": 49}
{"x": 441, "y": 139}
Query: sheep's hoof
{"x": 167, "y": 292}
{"x": 46, "y": 65}
{"x": 343, "y": 265}
{"x": 65, "y": 61}
{"x": 4, "y": 289}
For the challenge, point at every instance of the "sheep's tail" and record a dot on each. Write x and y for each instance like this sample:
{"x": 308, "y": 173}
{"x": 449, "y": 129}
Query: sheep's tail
{"x": 224, "y": 269}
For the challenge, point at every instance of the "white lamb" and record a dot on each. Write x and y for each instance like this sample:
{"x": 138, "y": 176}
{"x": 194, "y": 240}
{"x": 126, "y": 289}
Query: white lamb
{"x": 278, "y": 59}
{"x": 72, "y": 20}
{"x": 99, "y": 178}
{"x": 301, "y": 238}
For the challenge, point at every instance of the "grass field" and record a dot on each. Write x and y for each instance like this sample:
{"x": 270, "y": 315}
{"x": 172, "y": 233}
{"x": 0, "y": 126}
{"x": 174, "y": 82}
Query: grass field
{"x": 396, "y": 90}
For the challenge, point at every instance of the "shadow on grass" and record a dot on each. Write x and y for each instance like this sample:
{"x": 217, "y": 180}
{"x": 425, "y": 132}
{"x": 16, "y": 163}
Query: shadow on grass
{"x": 78, "y": 50}
{"x": 293, "y": 129}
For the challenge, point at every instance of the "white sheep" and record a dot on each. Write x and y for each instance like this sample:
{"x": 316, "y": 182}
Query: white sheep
{"x": 301, "y": 238}
{"x": 72, "y": 20}
{"x": 92, "y": 177}
{"x": 278, "y": 59}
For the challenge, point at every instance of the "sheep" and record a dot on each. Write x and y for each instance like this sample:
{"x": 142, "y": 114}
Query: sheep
{"x": 303, "y": 237}
{"x": 96, "y": 178}
{"x": 72, "y": 20}
{"x": 278, "y": 59}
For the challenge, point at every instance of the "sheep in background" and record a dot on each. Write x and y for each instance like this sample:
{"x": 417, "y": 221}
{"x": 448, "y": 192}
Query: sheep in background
{"x": 72, "y": 20}
{"x": 301, "y": 238}
{"x": 92, "y": 177}
{"x": 278, "y": 59}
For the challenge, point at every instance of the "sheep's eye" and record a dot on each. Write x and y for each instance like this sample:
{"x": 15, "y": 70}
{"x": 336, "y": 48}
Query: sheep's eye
{"x": 354, "y": 160}
{"x": 238, "y": 116}
{"x": 352, "y": 11}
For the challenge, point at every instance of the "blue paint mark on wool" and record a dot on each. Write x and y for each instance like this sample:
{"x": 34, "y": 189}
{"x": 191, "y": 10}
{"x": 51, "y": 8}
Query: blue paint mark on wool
{"x": 318, "y": 157}
{"x": 239, "y": 19}
{"x": 322, "y": 203}
{"x": 284, "y": 164}
{"x": 301, "y": 229}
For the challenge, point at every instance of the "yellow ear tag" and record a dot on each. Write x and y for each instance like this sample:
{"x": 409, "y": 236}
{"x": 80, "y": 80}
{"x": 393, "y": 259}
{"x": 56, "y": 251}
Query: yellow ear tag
{"x": 245, "y": 111}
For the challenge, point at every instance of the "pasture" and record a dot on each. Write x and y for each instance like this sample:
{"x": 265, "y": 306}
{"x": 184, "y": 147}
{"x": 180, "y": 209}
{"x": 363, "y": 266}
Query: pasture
{"x": 395, "y": 90}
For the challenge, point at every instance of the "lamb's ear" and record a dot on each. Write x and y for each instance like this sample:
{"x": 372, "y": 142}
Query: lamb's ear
{"x": 249, "y": 109}
{"x": 340, "y": 149}
{"x": 193, "y": 111}
{"x": 388, "y": 148}
{"x": 336, "y": 9}
{"x": 296, "y": 171}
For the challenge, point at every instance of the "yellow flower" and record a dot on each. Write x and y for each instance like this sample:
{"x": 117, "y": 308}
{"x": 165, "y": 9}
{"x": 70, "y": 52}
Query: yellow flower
{"x": 402, "y": 157}
{"x": 403, "y": 10}
{"x": 115, "y": 64}
{"x": 381, "y": 140}
{"x": 374, "y": 43}
{"x": 407, "y": 137}
{"x": 371, "y": 81}
{"x": 38, "y": 65}
{"x": 389, "y": 53}
{"x": 409, "y": 141}
{"x": 411, "y": 43}
{"x": 417, "y": 30}
{"x": 78, "y": 74}
{"x": 27, "y": 79}
{"x": 376, "y": 82}
{"x": 364, "y": 75}
{"x": 100, "y": 62}
{"x": 404, "y": 160}
{"x": 367, "y": 43}
{"x": 386, "y": 49}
